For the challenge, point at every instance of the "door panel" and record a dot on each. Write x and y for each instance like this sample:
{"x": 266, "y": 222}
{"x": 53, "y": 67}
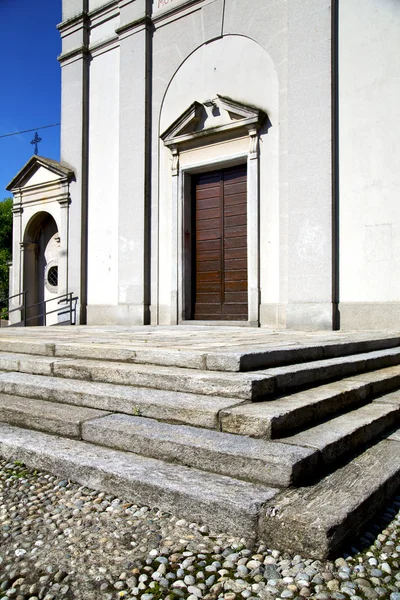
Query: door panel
{"x": 220, "y": 245}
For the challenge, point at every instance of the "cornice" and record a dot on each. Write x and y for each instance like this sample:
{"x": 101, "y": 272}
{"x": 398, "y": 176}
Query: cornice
{"x": 104, "y": 46}
{"x": 102, "y": 9}
{"x": 171, "y": 11}
{"x": 184, "y": 128}
{"x": 127, "y": 27}
{"x": 79, "y": 19}
{"x": 63, "y": 172}
{"x": 79, "y": 52}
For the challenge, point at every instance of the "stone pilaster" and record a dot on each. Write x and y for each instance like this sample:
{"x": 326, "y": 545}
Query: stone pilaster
{"x": 134, "y": 162}
{"x": 74, "y": 142}
{"x": 310, "y": 256}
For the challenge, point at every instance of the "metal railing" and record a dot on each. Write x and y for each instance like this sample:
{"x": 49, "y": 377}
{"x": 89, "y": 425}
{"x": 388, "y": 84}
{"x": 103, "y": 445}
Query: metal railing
{"x": 21, "y": 306}
{"x": 69, "y": 308}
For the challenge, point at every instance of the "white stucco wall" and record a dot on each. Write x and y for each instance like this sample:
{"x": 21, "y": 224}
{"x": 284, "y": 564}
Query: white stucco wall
{"x": 369, "y": 117}
{"x": 274, "y": 55}
{"x": 103, "y": 179}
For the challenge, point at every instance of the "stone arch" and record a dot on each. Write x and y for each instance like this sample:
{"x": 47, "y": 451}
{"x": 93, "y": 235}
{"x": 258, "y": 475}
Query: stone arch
{"x": 235, "y": 66}
{"x": 41, "y": 246}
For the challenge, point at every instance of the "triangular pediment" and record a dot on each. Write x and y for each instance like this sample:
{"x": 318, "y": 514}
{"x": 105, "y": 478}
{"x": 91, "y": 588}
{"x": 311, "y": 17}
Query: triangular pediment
{"x": 238, "y": 111}
{"x": 212, "y": 116}
{"x": 38, "y": 171}
{"x": 186, "y": 123}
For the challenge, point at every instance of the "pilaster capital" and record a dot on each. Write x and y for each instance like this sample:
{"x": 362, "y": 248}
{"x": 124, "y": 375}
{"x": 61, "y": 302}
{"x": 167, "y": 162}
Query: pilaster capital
{"x": 17, "y": 209}
{"x": 64, "y": 202}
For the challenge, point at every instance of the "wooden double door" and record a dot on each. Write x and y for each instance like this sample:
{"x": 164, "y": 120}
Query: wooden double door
{"x": 219, "y": 255}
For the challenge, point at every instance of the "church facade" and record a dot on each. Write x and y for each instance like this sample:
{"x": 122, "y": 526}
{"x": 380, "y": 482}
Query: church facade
{"x": 222, "y": 161}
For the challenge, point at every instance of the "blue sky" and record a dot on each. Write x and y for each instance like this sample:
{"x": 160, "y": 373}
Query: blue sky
{"x": 29, "y": 82}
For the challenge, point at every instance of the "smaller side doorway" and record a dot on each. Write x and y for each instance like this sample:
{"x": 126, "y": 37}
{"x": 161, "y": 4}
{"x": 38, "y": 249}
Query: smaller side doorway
{"x": 219, "y": 279}
{"x": 40, "y": 268}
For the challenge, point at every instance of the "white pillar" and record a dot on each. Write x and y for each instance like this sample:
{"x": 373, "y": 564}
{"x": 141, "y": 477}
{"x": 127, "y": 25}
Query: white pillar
{"x": 310, "y": 257}
{"x": 16, "y": 271}
{"x": 134, "y": 162}
{"x": 176, "y": 250}
{"x": 253, "y": 242}
{"x": 74, "y": 61}
{"x": 64, "y": 249}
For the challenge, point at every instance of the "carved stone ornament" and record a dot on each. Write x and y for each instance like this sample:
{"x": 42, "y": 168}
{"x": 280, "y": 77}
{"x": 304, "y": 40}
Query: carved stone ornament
{"x": 253, "y": 149}
{"x": 175, "y": 161}
{"x": 211, "y": 118}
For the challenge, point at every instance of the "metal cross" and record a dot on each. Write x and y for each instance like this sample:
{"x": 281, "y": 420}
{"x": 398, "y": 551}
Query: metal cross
{"x": 35, "y": 141}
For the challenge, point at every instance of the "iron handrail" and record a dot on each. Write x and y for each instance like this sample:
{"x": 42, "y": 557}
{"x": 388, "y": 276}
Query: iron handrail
{"x": 21, "y": 307}
{"x": 67, "y": 298}
{"x": 11, "y": 297}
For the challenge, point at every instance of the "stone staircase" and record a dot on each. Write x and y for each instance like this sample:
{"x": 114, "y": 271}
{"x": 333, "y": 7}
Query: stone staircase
{"x": 297, "y": 445}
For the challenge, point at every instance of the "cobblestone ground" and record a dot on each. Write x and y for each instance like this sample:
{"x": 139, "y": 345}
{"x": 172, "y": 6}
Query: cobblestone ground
{"x": 61, "y": 540}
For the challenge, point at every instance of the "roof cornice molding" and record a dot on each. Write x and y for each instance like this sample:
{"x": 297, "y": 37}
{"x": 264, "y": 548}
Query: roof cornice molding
{"x": 34, "y": 163}
{"x": 79, "y": 20}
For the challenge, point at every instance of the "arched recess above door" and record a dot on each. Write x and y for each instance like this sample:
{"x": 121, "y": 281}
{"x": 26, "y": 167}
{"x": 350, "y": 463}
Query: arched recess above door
{"x": 220, "y": 110}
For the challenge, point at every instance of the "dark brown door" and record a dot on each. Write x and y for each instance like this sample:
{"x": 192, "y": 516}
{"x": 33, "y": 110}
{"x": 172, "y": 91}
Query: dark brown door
{"x": 220, "y": 245}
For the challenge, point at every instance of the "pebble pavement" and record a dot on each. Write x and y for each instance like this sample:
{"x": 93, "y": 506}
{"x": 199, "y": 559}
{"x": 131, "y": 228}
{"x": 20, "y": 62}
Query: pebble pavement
{"x": 60, "y": 540}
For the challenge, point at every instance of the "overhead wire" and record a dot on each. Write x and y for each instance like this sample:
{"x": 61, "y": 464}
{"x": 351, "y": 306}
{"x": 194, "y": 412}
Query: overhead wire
{"x": 29, "y": 130}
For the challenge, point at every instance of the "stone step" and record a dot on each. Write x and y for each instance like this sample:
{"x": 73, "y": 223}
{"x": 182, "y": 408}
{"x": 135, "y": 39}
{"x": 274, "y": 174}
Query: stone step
{"x": 284, "y": 415}
{"x": 175, "y": 407}
{"x": 204, "y": 356}
{"x": 281, "y": 354}
{"x": 211, "y": 383}
{"x": 318, "y": 520}
{"x": 223, "y": 503}
{"x": 269, "y": 419}
{"x": 246, "y": 386}
{"x": 346, "y": 435}
{"x": 291, "y": 377}
{"x": 259, "y": 461}
{"x": 52, "y": 417}
{"x": 290, "y": 461}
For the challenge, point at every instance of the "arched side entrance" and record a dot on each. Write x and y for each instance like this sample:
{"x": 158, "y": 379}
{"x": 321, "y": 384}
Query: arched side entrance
{"x": 40, "y": 241}
{"x": 41, "y": 249}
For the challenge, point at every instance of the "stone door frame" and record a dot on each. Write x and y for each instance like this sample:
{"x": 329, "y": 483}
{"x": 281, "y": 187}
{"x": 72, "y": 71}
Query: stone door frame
{"x": 184, "y": 201}
{"x": 236, "y": 142}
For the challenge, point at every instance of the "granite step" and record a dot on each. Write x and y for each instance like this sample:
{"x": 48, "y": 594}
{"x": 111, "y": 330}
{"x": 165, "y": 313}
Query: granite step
{"x": 253, "y": 386}
{"x": 291, "y": 377}
{"x": 237, "y": 385}
{"x": 258, "y": 461}
{"x": 344, "y": 436}
{"x": 236, "y": 359}
{"x": 174, "y": 407}
{"x": 269, "y": 419}
{"x": 223, "y": 503}
{"x": 289, "y": 413}
{"x": 317, "y": 520}
{"x": 51, "y": 417}
{"x": 293, "y": 460}
{"x": 282, "y": 355}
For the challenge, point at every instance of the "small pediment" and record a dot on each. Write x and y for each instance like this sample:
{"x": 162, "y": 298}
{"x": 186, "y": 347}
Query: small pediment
{"x": 38, "y": 171}
{"x": 212, "y": 116}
